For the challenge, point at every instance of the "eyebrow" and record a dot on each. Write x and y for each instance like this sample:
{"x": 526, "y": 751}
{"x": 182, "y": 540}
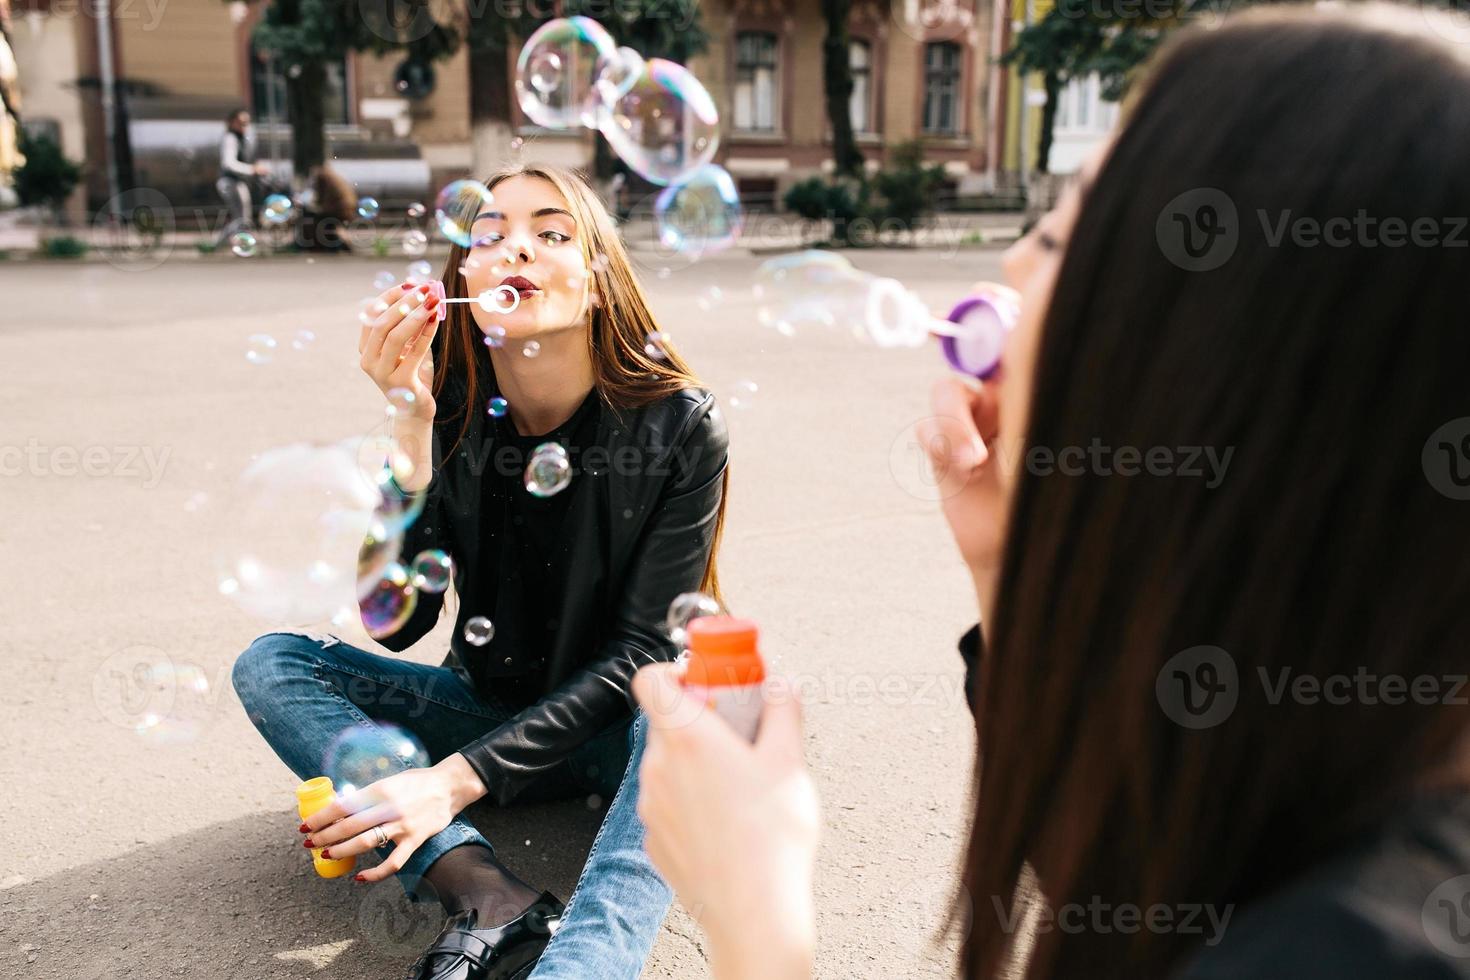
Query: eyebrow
{"x": 541, "y": 213}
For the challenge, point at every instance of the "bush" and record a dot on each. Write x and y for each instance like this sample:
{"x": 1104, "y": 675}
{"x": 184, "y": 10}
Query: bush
{"x": 843, "y": 202}
{"x": 47, "y": 177}
{"x": 64, "y": 247}
{"x": 908, "y": 187}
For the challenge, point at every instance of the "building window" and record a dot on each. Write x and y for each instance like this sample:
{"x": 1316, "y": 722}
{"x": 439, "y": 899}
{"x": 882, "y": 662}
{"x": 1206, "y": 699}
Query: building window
{"x": 860, "y": 59}
{"x": 942, "y": 88}
{"x": 1082, "y": 111}
{"x": 268, "y": 90}
{"x": 756, "y": 91}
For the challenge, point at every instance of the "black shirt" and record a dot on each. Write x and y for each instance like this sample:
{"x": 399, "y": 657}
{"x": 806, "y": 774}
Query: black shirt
{"x": 525, "y": 561}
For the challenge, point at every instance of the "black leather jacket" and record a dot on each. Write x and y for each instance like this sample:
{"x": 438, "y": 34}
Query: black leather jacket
{"x": 644, "y": 519}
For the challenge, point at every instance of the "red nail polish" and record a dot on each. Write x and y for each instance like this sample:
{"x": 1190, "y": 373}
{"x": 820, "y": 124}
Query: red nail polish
{"x": 358, "y": 878}
{"x": 326, "y": 853}
{"x": 424, "y": 289}
{"x": 307, "y": 843}
{"x": 304, "y": 829}
{"x": 432, "y": 303}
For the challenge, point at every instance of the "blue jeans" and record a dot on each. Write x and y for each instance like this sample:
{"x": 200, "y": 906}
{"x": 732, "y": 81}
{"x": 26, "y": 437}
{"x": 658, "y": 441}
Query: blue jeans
{"x": 302, "y": 690}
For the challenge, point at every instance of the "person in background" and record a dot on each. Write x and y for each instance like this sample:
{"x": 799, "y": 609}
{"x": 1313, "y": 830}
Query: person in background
{"x": 237, "y": 168}
{"x": 328, "y": 206}
{"x": 1221, "y": 719}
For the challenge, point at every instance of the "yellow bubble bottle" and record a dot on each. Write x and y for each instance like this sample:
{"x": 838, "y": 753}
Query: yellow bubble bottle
{"x": 311, "y": 796}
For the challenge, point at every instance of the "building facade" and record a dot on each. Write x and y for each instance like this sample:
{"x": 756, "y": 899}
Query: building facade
{"x": 921, "y": 71}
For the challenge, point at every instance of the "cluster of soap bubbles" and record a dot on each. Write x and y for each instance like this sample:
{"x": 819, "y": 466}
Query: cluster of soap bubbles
{"x": 317, "y": 529}
{"x": 655, "y": 114}
{"x": 549, "y": 471}
{"x": 363, "y": 754}
{"x": 260, "y": 348}
{"x": 824, "y": 290}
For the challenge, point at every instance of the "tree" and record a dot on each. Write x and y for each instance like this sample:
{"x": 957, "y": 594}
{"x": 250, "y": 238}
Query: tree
{"x": 1077, "y": 38}
{"x": 847, "y": 160}
{"x": 304, "y": 36}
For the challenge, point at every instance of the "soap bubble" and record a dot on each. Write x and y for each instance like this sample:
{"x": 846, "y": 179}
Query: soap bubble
{"x": 654, "y": 347}
{"x": 416, "y": 210}
{"x": 498, "y": 407}
{"x": 532, "y": 348}
{"x": 710, "y": 298}
{"x": 557, "y": 71}
{"x": 478, "y": 631}
{"x": 743, "y": 393}
{"x": 893, "y": 316}
{"x": 367, "y": 208}
{"x": 276, "y": 210}
{"x": 400, "y": 402}
{"x": 384, "y": 281}
{"x": 701, "y": 214}
{"x": 456, "y": 207}
{"x": 617, "y": 74}
{"x": 495, "y": 337}
{"x": 420, "y": 272}
{"x": 688, "y": 606}
{"x": 260, "y": 348}
{"x": 432, "y": 570}
{"x": 298, "y": 517}
{"x": 388, "y": 468}
{"x": 302, "y": 340}
{"x": 550, "y": 470}
{"x": 665, "y": 127}
{"x": 364, "y": 753}
{"x": 388, "y": 603}
{"x": 415, "y": 242}
{"x": 161, "y": 700}
{"x": 243, "y": 244}
{"x": 805, "y": 289}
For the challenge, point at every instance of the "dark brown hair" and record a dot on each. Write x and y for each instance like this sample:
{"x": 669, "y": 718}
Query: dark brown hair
{"x": 1325, "y": 550}
{"x": 625, "y": 374}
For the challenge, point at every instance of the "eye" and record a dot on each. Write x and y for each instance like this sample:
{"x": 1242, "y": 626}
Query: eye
{"x": 1048, "y": 241}
{"x": 487, "y": 239}
{"x": 555, "y": 237}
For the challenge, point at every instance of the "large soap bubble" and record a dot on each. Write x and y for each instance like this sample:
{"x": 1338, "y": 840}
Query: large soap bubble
{"x": 665, "y": 126}
{"x": 299, "y": 518}
{"x": 558, "y": 70}
{"x": 701, "y": 214}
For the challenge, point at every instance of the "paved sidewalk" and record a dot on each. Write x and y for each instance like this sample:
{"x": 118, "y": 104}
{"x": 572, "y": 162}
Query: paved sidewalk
{"x": 130, "y": 856}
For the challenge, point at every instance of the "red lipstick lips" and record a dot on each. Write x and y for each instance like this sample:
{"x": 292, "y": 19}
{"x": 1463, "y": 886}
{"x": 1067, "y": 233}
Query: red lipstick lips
{"x": 521, "y": 285}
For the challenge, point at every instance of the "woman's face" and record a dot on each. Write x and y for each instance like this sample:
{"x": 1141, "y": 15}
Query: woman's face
{"x": 1031, "y": 266}
{"x": 528, "y": 239}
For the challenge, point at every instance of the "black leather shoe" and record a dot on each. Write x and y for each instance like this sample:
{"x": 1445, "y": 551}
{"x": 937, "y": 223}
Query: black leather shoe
{"x": 464, "y": 952}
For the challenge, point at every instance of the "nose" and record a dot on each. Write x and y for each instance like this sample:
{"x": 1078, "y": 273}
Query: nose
{"x": 517, "y": 249}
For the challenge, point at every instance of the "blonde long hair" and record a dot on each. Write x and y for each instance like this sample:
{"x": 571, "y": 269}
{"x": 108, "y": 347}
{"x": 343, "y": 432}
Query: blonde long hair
{"x": 624, "y": 374}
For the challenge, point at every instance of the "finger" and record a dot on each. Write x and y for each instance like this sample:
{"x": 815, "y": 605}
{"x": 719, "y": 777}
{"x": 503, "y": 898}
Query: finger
{"x": 660, "y": 692}
{"x": 393, "y": 863}
{"x": 952, "y": 434}
{"x": 780, "y": 730}
{"x": 366, "y": 841}
{"x": 419, "y": 344}
{"x": 391, "y": 318}
{"x": 397, "y": 339}
{"x": 351, "y": 825}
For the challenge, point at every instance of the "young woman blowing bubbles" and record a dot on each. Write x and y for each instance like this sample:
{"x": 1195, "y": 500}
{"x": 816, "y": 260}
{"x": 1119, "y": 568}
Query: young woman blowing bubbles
{"x": 576, "y": 583}
{"x": 1146, "y": 746}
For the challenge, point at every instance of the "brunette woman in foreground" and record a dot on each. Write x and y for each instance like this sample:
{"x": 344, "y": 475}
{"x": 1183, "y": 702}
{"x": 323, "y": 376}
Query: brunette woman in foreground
{"x": 1246, "y": 698}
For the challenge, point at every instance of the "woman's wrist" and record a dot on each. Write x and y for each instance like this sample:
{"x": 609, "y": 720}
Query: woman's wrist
{"x": 465, "y": 785}
{"x": 782, "y": 948}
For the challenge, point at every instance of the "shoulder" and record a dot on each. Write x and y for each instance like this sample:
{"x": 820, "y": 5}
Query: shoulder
{"x": 689, "y": 416}
{"x": 1397, "y": 907}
